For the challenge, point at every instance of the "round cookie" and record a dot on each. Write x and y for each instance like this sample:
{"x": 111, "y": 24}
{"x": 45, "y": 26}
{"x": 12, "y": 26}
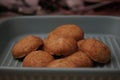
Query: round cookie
{"x": 24, "y": 46}
{"x": 60, "y": 46}
{"x": 96, "y": 50}
{"x": 68, "y": 30}
{"x": 80, "y": 42}
{"x": 37, "y": 59}
{"x": 61, "y": 63}
{"x": 80, "y": 59}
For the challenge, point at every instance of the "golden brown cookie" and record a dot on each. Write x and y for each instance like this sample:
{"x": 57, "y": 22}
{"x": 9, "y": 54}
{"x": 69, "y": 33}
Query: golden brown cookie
{"x": 37, "y": 59}
{"x": 61, "y": 63}
{"x": 96, "y": 50}
{"x": 80, "y": 42}
{"x": 68, "y": 30}
{"x": 60, "y": 46}
{"x": 80, "y": 59}
{"x": 26, "y": 45}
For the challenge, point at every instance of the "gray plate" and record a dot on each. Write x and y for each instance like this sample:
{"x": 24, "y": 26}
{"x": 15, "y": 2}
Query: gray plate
{"x": 103, "y": 28}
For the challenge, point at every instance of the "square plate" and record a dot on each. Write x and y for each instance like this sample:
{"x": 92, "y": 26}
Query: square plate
{"x": 104, "y": 28}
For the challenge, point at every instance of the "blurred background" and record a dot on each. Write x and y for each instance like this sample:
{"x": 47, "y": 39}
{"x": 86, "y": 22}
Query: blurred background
{"x": 10, "y": 8}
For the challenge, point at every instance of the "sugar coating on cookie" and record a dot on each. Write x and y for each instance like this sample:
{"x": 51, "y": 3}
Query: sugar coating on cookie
{"x": 60, "y": 46}
{"x": 96, "y": 50}
{"x": 37, "y": 59}
{"x": 61, "y": 63}
{"x": 24, "y": 46}
{"x": 68, "y": 30}
{"x": 80, "y": 59}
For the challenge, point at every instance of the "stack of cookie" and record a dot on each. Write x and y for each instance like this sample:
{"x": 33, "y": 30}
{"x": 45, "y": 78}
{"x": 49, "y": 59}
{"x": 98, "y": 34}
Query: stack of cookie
{"x": 65, "y": 47}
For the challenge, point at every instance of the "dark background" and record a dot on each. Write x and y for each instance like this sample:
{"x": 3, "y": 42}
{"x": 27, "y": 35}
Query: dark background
{"x": 10, "y": 8}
